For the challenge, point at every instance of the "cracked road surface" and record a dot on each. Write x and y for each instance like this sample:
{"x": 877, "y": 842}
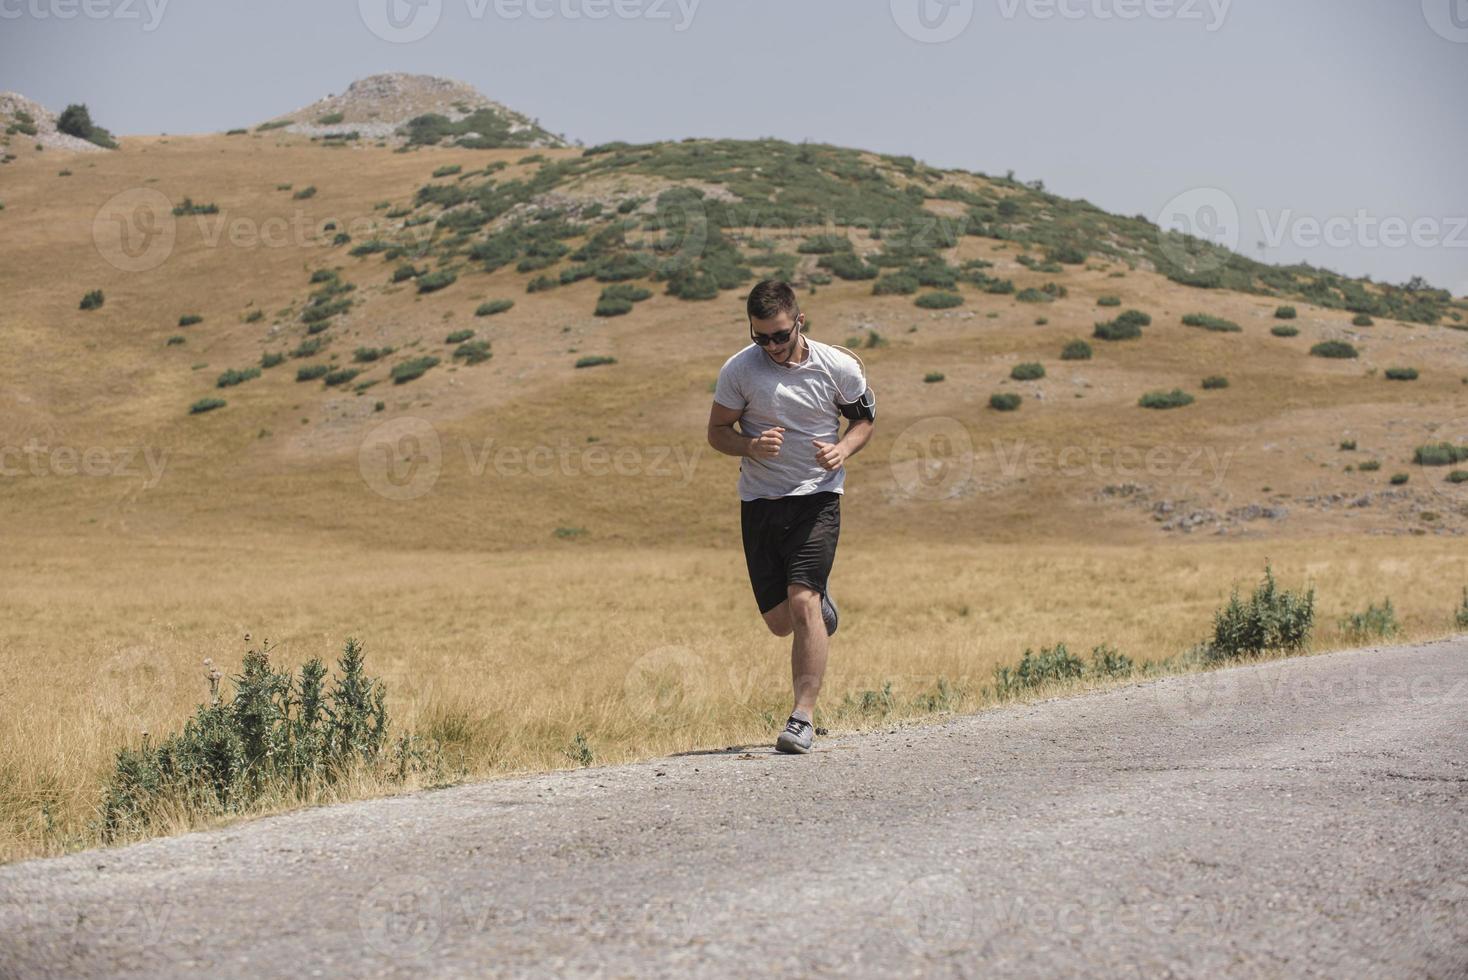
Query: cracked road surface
{"x": 1303, "y": 817}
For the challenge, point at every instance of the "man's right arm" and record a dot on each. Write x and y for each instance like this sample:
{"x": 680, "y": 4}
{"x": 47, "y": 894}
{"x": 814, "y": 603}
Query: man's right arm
{"x": 724, "y": 438}
{"x": 722, "y": 435}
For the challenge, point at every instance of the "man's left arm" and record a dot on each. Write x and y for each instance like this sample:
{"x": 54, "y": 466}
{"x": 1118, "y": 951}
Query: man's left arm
{"x": 833, "y": 455}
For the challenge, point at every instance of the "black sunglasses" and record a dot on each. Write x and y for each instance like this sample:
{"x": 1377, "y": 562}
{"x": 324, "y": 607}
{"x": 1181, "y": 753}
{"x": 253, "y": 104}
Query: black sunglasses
{"x": 773, "y": 339}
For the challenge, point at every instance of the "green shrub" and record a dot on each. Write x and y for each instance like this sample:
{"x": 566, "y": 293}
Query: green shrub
{"x": 494, "y": 306}
{"x": 205, "y": 405}
{"x": 234, "y": 377}
{"x": 1283, "y": 330}
{"x": 1067, "y": 254}
{"x": 1284, "y": 313}
{"x": 846, "y": 265}
{"x": 405, "y": 272}
{"x": 630, "y": 292}
{"x": 279, "y": 736}
{"x": 1004, "y": 401}
{"x": 323, "y": 275}
{"x": 824, "y": 245}
{"x": 939, "y": 300}
{"x": 1348, "y": 445}
{"x": 339, "y": 376}
{"x": 1176, "y": 398}
{"x": 93, "y": 300}
{"x": 1076, "y": 350}
{"x": 458, "y": 336}
{"x": 309, "y": 346}
{"x": 1439, "y": 454}
{"x": 1333, "y": 348}
{"x": 1107, "y": 661}
{"x": 76, "y": 121}
{"x": 1050, "y": 665}
{"x": 435, "y": 281}
{"x": 175, "y": 340}
{"x": 1027, "y": 371}
{"x": 1458, "y": 476}
{"x": 1460, "y": 616}
{"x": 541, "y": 283}
{"x": 594, "y": 361}
{"x": 1362, "y": 320}
{"x": 1401, "y": 374}
{"x": 448, "y": 171}
{"x": 189, "y": 207}
{"x": 306, "y": 192}
{"x": 410, "y": 370}
{"x": 896, "y": 284}
{"x": 272, "y": 359}
{"x": 1214, "y": 323}
{"x": 1109, "y": 301}
{"x": 254, "y": 316}
{"x": 473, "y": 352}
{"x": 612, "y": 307}
{"x": 1376, "y": 623}
{"x": 1397, "y": 479}
{"x": 330, "y": 119}
{"x": 1271, "y": 619}
{"x": 1214, "y": 382}
{"x": 189, "y": 320}
{"x": 311, "y": 372}
{"x": 366, "y": 355}
{"x": 1369, "y": 465}
{"x": 932, "y": 377}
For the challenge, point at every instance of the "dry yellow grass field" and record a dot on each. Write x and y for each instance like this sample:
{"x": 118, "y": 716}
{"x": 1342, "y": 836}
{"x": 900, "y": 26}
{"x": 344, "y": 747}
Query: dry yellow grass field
{"x": 530, "y": 551}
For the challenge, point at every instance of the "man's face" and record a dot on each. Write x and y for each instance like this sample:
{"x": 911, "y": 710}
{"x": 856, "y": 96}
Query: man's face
{"x": 775, "y": 326}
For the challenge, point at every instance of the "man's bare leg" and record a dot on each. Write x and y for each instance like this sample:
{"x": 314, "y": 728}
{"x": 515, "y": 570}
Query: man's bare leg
{"x": 808, "y": 652}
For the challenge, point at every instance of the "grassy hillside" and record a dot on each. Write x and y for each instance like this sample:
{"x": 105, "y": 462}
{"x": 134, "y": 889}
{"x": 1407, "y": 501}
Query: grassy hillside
{"x": 328, "y": 270}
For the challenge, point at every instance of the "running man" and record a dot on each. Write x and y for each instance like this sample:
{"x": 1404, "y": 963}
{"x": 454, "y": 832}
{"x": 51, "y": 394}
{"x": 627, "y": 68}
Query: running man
{"x": 788, "y": 393}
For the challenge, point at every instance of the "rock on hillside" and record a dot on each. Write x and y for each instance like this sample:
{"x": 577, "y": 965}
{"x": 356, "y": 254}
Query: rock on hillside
{"x": 25, "y": 122}
{"x": 379, "y": 107}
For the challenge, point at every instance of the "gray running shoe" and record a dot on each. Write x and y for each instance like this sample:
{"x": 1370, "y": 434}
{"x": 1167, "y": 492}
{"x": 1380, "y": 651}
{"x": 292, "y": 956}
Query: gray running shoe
{"x": 828, "y": 614}
{"x": 796, "y": 737}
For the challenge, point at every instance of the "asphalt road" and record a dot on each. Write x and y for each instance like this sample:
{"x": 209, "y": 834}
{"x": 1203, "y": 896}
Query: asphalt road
{"x": 1306, "y": 817}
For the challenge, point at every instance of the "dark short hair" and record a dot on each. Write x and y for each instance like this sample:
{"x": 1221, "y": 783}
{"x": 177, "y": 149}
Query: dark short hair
{"x": 771, "y": 298}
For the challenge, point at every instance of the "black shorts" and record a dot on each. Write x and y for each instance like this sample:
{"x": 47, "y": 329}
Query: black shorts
{"x": 789, "y": 540}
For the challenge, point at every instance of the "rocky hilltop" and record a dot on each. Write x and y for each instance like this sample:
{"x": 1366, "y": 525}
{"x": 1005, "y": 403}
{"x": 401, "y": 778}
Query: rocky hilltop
{"x": 25, "y": 122}
{"x": 381, "y": 107}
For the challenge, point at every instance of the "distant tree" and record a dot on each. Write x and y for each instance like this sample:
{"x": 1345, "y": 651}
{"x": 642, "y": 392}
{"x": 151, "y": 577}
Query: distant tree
{"x": 76, "y": 121}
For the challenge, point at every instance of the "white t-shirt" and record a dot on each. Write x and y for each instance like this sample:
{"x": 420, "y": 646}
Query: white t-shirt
{"x": 800, "y": 397}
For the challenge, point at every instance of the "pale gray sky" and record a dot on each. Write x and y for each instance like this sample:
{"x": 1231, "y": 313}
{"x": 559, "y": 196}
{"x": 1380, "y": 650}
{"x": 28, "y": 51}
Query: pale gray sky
{"x": 1318, "y": 120}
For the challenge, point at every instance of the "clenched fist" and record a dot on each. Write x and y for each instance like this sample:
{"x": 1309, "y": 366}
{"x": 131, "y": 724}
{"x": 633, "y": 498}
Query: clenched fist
{"x": 767, "y": 445}
{"x": 830, "y": 455}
